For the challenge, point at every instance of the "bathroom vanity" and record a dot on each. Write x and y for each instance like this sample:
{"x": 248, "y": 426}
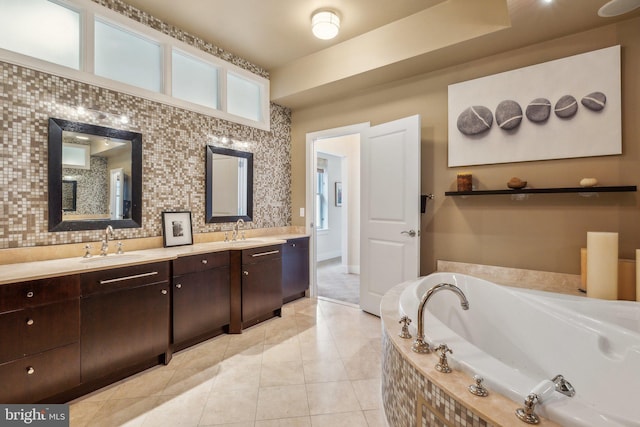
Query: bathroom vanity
{"x": 98, "y": 320}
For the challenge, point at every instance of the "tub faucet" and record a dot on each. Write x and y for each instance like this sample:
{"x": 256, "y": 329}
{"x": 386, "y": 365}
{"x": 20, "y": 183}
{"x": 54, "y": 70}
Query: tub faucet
{"x": 420, "y": 345}
{"x": 108, "y": 232}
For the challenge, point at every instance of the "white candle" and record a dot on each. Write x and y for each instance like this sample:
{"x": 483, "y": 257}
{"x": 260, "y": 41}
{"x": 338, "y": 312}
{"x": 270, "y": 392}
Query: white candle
{"x": 637, "y": 274}
{"x": 602, "y": 265}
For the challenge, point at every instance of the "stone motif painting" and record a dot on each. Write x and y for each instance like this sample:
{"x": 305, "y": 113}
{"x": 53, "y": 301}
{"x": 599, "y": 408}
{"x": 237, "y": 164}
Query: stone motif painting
{"x": 567, "y": 108}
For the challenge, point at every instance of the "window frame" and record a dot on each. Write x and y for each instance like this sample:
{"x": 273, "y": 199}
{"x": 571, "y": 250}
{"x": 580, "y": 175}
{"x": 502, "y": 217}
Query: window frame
{"x": 89, "y": 11}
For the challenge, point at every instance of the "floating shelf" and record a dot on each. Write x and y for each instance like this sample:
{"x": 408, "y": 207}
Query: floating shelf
{"x": 610, "y": 189}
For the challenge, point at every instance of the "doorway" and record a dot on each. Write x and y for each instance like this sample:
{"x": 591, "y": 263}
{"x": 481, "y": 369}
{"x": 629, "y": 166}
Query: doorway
{"x": 333, "y": 163}
{"x": 388, "y": 245}
{"x": 337, "y": 222}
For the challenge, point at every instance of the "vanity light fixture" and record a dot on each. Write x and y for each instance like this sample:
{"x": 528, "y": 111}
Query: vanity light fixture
{"x": 102, "y": 115}
{"x": 325, "y": 24}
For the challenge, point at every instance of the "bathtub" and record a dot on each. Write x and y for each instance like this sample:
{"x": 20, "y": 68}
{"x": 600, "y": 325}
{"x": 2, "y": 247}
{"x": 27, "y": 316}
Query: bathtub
{"x": 516, "y": 338}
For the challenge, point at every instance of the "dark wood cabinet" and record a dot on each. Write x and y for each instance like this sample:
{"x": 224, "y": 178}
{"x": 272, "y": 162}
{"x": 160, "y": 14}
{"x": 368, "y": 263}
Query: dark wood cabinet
{"x": 39, "y": 332}
{"x": 125, "y": 318}
{"x": 200, "y": 294}
{"x": 261, "y": 283}
{"x": 295, "y": 268}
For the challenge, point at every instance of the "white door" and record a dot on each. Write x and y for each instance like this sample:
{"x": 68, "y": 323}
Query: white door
{"x": 390, "y": 209}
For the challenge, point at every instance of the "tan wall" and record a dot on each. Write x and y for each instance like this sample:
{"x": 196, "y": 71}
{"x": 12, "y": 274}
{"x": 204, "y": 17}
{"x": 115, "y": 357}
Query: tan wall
{"x": 544, "y": 232}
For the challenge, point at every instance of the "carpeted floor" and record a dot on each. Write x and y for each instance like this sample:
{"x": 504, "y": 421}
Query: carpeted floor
{"x": 335, "y": 284}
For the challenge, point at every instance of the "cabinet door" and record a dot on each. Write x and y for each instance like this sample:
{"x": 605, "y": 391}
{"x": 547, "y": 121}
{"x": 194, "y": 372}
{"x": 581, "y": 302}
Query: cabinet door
{"x": 123, "y": 327}
{"x": 34, "y": 378}
{"x": 200, "y": 303}
{"x": 261, "y": 288}
{"x": 295, "y": 268}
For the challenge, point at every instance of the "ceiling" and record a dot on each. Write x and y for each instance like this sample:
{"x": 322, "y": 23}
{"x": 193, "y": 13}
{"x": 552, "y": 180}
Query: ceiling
{"x": 380, "y": 40}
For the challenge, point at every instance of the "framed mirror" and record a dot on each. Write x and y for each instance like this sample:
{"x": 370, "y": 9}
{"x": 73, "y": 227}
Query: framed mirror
{"x": 229, "y": 185}
{"x": 95, "y": 177}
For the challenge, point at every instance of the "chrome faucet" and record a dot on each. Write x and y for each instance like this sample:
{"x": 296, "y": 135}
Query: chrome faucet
{"x": 236, "y": 230}
{"x": 420, "y": 345}
{"x": 108, "y": 232}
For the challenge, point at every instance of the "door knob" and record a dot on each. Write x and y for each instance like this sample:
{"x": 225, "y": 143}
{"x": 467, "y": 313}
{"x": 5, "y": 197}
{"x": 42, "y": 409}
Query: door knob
{"x": 178, "y": 286}
{"x": 410, "y": 233}
{"x": 246, "y": 273}
{"x": 164, "y": 292}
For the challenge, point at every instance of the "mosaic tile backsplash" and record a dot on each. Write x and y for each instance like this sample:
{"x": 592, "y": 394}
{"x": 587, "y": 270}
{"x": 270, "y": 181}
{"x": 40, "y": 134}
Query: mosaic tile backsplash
{"x": 174, "y": 142}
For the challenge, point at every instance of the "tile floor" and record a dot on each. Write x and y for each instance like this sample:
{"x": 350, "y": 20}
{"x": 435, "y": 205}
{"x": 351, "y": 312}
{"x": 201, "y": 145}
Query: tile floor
{"x": 318, "y": 365}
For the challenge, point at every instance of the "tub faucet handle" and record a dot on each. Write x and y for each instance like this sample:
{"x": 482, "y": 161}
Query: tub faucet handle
{"x": 527, "y": 413}
{"x": 478, "y": 389}
{"x": 404, "y": 333}
{"x": 443, "y": 364}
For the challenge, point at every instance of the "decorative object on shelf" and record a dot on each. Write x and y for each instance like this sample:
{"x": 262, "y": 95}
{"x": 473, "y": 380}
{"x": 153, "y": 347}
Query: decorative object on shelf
{"x": 627, "y": 279}
{"x": 588, "y": 182}
{"x": 602, "y": 265}
{"x": 573, "y": 130}
{"x": 176, "y": 229}
{"x": 595, "y": 101}
{"x": 516, "y": 183}
{"x": 464, "y": 181}
{"x": 539, "y": 110}
{"x": 508, "y": 115}
{"x": 583, "y": 270}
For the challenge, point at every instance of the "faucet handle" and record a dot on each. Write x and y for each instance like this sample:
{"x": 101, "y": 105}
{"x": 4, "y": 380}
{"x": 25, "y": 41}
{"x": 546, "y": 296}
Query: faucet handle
{"x": 404, "y": 333}
{"x": 478, "y": 389}
{"x": 87, "y": 251}
{"x": 119, "y": 251}
{"x": 443, "y": 364}
{"x": 527, "y": 413}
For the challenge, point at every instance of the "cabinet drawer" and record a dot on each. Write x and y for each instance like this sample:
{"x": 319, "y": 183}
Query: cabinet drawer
{"x": 298, "y": 243}
{"x": 34, "y": 378}
{"x": 265, "y": 253}
{"x": 34, "y": 330}
{"x": 195, "y": 263}
{"x": 14, "y": 296}
{"x": 124, "y": 277}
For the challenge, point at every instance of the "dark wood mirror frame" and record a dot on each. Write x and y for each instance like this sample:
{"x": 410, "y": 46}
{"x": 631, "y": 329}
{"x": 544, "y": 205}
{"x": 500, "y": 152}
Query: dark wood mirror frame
{"x": 56, "y": 223}
{"x": 210, "y": 218}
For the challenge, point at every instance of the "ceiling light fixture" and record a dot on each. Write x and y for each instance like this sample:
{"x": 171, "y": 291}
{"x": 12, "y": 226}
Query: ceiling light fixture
{"x": 325, "y": 24}
{"x": 618, "y": 7}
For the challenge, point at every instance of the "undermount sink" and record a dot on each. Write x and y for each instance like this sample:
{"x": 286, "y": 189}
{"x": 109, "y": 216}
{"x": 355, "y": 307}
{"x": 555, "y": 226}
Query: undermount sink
{"x": 250, "y": 240}
{"x": 112, "y": 258}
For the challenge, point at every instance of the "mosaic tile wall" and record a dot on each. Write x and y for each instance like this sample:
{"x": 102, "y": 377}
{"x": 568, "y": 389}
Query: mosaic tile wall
{"x": 411, "y": 400}
{"x": 174, "y": 142}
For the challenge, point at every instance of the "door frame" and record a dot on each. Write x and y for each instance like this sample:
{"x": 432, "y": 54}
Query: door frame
{"x": 310, "y": 203}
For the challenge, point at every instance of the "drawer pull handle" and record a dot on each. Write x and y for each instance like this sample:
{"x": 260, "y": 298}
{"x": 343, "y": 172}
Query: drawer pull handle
{"x": 246, "y": 273}
{"x": 30, "y": 370}
{"x": 204, "y": 261}
{"x": 29, "y": 322}
{"x": 164, "y": 292}
{"x": 294, "y": 245}
{"x": 265, "y": 253}
{"x": 121, "y": 279}
{"x": 30, "y": 294}
{"x": 179, "y": 286}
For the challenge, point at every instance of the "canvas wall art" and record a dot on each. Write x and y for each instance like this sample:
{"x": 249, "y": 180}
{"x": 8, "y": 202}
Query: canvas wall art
{"x": 570, "y": 107}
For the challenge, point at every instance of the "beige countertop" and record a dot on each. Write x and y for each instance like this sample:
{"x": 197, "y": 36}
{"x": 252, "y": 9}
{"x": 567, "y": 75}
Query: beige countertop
{"x": 34, "y": 270}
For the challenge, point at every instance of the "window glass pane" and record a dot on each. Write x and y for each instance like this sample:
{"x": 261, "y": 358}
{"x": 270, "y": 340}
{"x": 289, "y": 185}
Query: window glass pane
{"x": 194, "y": 80}
{"x": 41, "y": 29}
{"x": 243, "y": 97}
{"x": 126, "y": 57}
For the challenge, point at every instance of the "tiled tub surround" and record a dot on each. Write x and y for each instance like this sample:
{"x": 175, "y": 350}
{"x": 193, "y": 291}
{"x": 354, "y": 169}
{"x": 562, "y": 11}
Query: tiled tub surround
{"x": 174, "y": 143}
{"x": 414, "y": 393}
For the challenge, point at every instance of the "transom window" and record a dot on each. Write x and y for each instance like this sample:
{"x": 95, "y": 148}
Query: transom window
{"x": 64, "y": 37}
